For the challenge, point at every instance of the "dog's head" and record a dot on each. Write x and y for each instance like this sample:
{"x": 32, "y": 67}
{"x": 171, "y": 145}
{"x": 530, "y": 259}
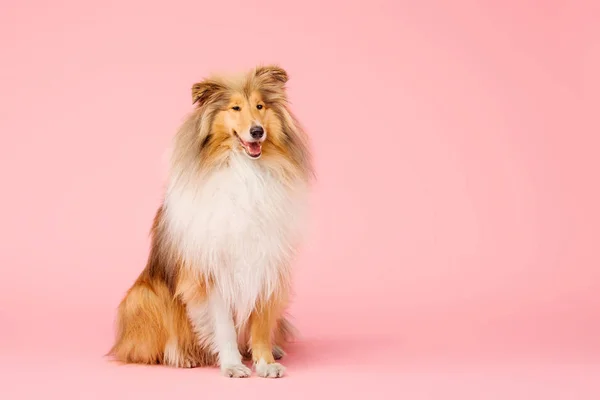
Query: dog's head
{"x": 245, "y": 113}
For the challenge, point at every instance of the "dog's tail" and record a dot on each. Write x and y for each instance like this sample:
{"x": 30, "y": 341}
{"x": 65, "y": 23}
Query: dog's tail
{"x": 286, "y": 332}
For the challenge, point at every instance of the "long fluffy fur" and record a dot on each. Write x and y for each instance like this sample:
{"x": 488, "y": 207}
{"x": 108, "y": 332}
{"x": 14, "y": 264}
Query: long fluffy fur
{"x": 228, "y": 225}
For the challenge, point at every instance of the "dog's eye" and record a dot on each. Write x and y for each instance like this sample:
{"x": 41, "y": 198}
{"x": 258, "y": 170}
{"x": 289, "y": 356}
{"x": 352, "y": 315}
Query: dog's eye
{"x": 260, "y": 106}
{"x": 236, "y": 108}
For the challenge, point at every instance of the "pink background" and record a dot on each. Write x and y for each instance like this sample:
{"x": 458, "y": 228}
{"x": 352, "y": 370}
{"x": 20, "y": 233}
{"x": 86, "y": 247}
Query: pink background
{"x": 454, "y": 251}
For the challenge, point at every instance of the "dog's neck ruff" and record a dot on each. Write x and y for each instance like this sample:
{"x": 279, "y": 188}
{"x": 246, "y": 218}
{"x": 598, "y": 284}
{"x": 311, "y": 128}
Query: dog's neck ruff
{"x": 238, "y": 224}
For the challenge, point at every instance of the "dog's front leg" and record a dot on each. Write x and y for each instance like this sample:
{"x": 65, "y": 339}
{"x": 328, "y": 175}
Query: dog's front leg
{"x": 225, "y": 339}
{"x": 262, "y": 324}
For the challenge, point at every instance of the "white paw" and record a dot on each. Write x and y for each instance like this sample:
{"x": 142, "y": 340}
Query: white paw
{"x": 273, "y": 370}
{"x": 236, "y": 371}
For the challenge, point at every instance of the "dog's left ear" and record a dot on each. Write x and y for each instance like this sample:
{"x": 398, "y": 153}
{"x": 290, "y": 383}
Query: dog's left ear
{"x": 272, "y": 73}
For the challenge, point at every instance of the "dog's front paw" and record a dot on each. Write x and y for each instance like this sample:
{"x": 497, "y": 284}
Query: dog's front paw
{"x": 273, "y": 370}
{"x": 236, "y": 371}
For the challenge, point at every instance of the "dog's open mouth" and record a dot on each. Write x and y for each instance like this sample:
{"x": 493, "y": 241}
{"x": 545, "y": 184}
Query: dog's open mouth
{"x": 252, "y": 149}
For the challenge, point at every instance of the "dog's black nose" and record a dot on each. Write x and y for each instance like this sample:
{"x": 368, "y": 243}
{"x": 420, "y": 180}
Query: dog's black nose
{"x": 257, "y": 132}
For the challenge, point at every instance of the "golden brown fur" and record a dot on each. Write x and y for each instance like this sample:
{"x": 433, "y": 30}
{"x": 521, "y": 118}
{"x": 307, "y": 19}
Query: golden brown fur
{"x": 152, "y": 324}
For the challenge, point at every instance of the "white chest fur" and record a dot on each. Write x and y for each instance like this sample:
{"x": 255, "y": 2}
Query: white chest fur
{"x": 239, "y": 224}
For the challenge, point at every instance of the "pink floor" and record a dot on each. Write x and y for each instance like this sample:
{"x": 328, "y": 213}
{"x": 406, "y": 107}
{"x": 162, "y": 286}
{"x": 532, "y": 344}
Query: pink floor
{"x": 424, "y": 363}
{"x": 317, "y": 369}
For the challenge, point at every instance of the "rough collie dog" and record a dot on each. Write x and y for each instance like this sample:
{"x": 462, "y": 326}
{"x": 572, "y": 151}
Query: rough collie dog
{"x": 217, "y": 279}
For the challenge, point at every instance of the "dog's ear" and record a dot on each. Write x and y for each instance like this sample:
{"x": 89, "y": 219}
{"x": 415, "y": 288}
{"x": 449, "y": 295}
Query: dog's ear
{"x": 273, "y": 74}
{"x": 206, "y": 91}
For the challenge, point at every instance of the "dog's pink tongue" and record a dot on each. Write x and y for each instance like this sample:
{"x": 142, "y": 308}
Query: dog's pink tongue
{"x": 254, "y": 149}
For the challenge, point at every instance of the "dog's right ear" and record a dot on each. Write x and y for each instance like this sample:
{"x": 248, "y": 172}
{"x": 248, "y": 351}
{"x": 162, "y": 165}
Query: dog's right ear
{"x": 206, "y": 91}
